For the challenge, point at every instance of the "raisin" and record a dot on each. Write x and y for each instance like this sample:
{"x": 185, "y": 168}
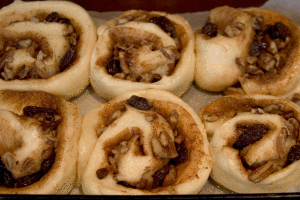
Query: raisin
{"x": 294, "y": 154}
{"x": 139, "y": 103}
{"x": 52, "y": 125}
{"x": 6, "y": 178}
{"x": 30, "y": 111}
{"x": 165, "y": 24}
{"x": 159, "y": 176}
{"x": 258, "y": 47}
{"x": 47, "y": 164}
{"x": 113, "y": 67}
{"x": 288, "y": 114}
{"x": 68, "y": 58}
{"x": 182, "y": 154}
{"x": 64, "y": 21}
{"x": 102, "y": 173}
{"x": 28, "y": 180}
{"x": 279, "y": 30}
{"x": 52, "y": 17}
{"x": 251, "y": 134}
{"x": 125, "y": 184}
{"x": 210, "y": 29}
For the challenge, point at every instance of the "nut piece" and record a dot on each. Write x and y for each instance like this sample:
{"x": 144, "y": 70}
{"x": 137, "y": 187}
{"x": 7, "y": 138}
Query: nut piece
{"x": 251, "y": 60}
{"x": 163, "y": 146}
{"x": 146, "y": 181}
{"x": 171, "y": 177}
{"x": 262, "y": 172}
{"x": 266, "y": 61}
{"x": 173, "y": 118}
{"x": 211, "y": 118}
{"x": 273, "y": 108}
{"x": 280, "y": 142}
{"x": 235, "y": 29}
{"x": 25, "y": 43}
{"x": 29, "y": 165}
{"x": 8, "y": 160}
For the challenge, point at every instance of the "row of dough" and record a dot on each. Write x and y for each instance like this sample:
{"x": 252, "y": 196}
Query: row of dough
{"x": 55, "y": 47}
{"x": 147, "y": 142}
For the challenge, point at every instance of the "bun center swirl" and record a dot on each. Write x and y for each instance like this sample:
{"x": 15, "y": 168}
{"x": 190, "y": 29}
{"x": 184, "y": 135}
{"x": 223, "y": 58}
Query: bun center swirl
{"x": 140, "y": 146}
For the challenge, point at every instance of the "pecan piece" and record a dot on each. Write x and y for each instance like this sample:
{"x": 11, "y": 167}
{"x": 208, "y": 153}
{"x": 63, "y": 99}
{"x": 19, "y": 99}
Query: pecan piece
{"x": 163, "y": 146}
{"x": 171, "y": 177}
{"x": 210, "y": 118}
{"x": 262, "y": 172}
{"x": 281, "y": 141}
{"x": 29, "y": 165}
{"x": 173, "y": 118}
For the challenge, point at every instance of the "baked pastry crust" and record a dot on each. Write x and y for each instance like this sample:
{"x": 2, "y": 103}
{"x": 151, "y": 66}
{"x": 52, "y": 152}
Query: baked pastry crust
{"x": 93, "y": 154}
{"x": 180, "y": 79}
{"x": 60, "y": 179}
{"x": 221, "y": 60}
{"x": 262, "y": 166}
{"x": 73, "y": 80}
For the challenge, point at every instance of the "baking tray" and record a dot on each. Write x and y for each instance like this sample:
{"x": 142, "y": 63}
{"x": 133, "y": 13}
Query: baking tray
{"x": 195, "y": 97}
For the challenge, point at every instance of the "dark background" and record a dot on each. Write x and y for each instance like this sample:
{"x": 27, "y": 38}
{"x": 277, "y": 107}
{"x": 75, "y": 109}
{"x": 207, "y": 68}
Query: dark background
{"x": 170, "y": 6}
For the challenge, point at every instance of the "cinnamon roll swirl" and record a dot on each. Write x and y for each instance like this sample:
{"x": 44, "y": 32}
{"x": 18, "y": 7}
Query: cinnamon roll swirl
{"x": 254, "y": 141}
{"x": 39, "y": 136}
{"x": 140, "y": 50}
{"x": 46, "y": 46}
{"x": 143, "y": 142}
{"x": 248, "y": 51}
